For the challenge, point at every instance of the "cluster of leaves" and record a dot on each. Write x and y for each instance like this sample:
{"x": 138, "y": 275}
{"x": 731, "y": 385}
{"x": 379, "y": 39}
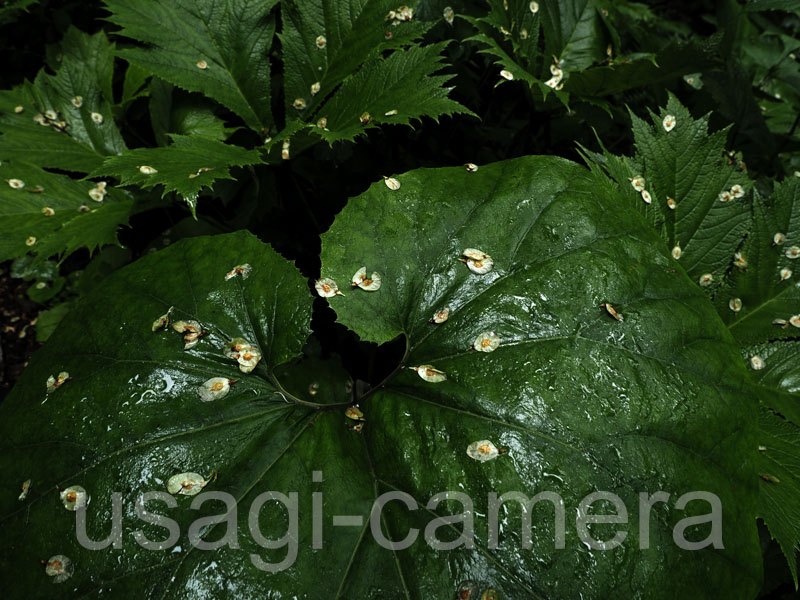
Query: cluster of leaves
{"x": 741, "y": 248}
{"x": 233, "y": 94}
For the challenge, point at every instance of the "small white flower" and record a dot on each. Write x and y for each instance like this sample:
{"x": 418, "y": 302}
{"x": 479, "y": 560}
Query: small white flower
{"x": 646, "y": 197}
{"x": 482, "y": 451}
{"x": 638, "y": 183}
{"x": 47, "y": 211}
{"x": 96, "y": 195}
{"x": 676, "y": 252}
{"x": 146, "y": 170}
{"x": 471, "y": 167}
{"x": 321, "y": 42}
{"x": 669, "y": 123}
{"x": 391, "y": 183}
{"x": 322, "y": 123}
{"x": 613, "y": 312}
{"x": 243, "y": 270}
{"x": 780, "y": 322}
{"x": 74, "y": 497}
{"x": 59, "y": 567}
{"x": 556, "y": 72}
{"x": 30, "y": 241}
{"x": 786, "y": 273}
{"x": 16, "y": 184}
{"x": 77, "y": 101}
{"x": 534, "y": 7}
{"x": 354, "y": 413}
{"x": 369, "y": 284}
{"x": 778, "y": 239}
{"x": 507, "y": 75}
{"x": 188, "y": 484}
{"x": 792, "y": 253}
{"x": 725, "y": 196}
{"x": 737, "y": 191}
{"x": 795, "y": 320}
{"x": 756, "y": 362}
{"x": 201, "y": 64}
{"x": 671, "y": 204}
{"x": 215, "y": 388}
{"x": 315, "y": 87}
{"x": 192, "y": 332}
{"x": 18, "y": 109}
{"x": 162, "y": 321}
{"x": 735, "y": 304}
{"x": 488, "y": 341}
{"x": 739, "y": 260}
{"x": 390, "y": 113}
{"x": 365, "y": 118}
{"x": 51, "y": 115}
{"x": 299, "y": 104}
{"x": 449, "y": 15}
{"x": 706, "y": 280}
{"x": 474, "y": 254}
{"x": 430, "y": 373}
{"x": 53, "y": 383}
{"x": 97, "y": 118}
{"x": 327, "y": 288}
{"x": 441, "y": 315}
{"x": 26, "y": 489}
{"x": 38, "y": 118}
{"x": 285, "y": 150}
{"x": 553, "y": 82}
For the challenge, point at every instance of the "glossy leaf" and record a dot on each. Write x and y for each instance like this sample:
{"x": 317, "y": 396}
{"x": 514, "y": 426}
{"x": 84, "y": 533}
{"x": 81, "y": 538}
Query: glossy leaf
{"x": 580, "y": 401}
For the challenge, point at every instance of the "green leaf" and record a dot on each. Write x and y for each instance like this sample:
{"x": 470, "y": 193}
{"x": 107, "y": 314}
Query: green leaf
{"x": 186, "y": 166}
{"x": 780, "y": 483}
{"x": 157, "y": 426}
{"x": 232, "y": 38}
{"x": 81, "y": 143}
{"x": 582, "y": 402}
{"x": 48, "y": 320}
{"x": 395, "y": 90}
{"x": 687, "y": 164}
{"x": 766, "y": 297}
{"x": 573, "y": 32}
{"x": 77, "y": 221}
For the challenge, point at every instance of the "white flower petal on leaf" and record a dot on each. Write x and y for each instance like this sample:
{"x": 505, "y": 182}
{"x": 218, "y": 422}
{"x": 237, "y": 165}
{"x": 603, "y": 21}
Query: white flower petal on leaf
{"x": 215, "y": 388}
{"x": 488, "y": 341}
{"x": 482, "y": 451}
{"x": 430, "y": 373}
{"x": 74, "y": 497}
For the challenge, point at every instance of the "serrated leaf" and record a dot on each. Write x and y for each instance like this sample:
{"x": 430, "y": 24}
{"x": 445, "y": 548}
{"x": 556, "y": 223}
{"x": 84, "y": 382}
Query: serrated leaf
{"x": 186, "y": 166}
{"x": 559, "y": 391}
{"x": 67, "y": 229}
{"x": 394, "y": 90}
{"x": 689, "y": 165}
{"x": 764, "y": 295}
{"x": 779, "y": 465}
{"x": 80, "y": 145}
{"x": 232, "y": 38}
{"x": 352, "y": 33}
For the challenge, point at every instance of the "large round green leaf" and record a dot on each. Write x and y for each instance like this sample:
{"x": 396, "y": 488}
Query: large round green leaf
{"x": 579, "y": 401}
{"x": 582, "y": 402}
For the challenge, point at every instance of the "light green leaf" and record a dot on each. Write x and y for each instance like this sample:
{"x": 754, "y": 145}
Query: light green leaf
{"x": 764, "y": 295}
{"x": 582, "y": 401}
{"x": 81, "y": 142}
{"x": 186, "y": 166}
{"x": 231, "y": 38}
{"x": 77, "y": 220}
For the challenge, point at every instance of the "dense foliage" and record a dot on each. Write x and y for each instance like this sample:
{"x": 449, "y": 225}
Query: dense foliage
{"x": 579, "y": 224}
